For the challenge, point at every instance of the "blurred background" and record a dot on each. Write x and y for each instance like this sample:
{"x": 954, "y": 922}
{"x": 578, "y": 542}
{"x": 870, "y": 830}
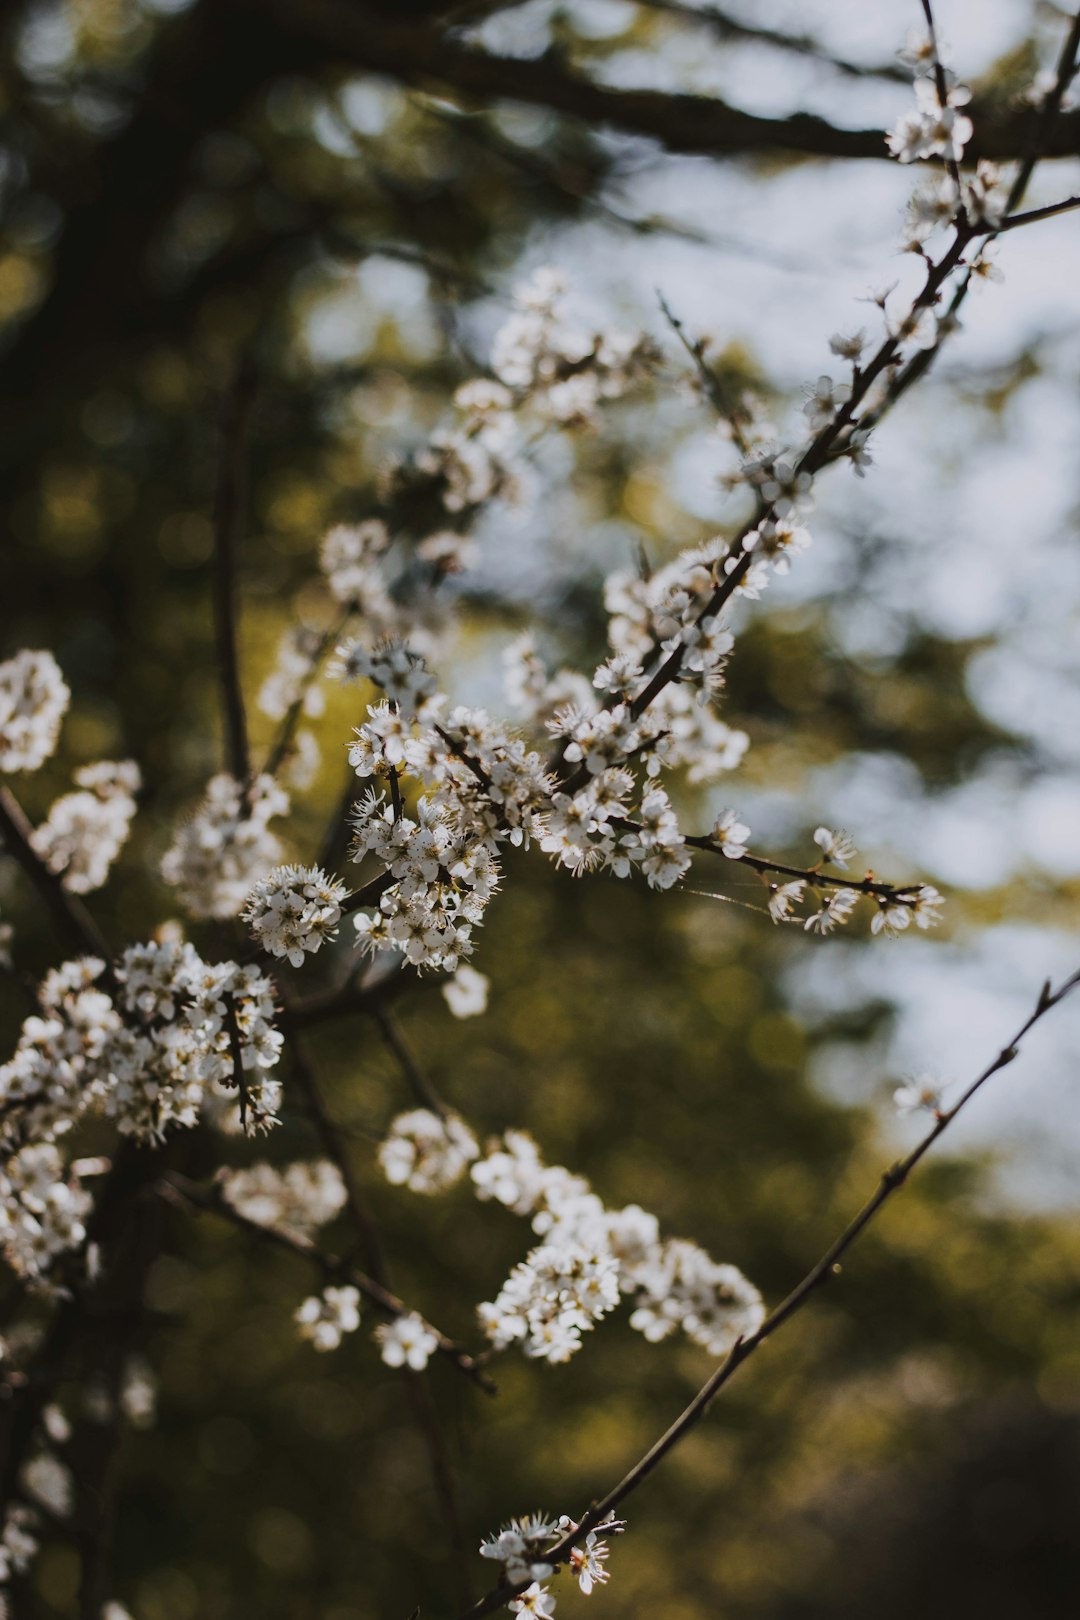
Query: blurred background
{"x": 340, "y": 199}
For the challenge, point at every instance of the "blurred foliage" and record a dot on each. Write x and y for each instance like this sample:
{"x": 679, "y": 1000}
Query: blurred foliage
{"x": 913, "y": 1445}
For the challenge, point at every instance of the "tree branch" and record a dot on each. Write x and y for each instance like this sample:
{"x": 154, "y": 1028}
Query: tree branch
{"x": 228, "y": 517}
{"x": 179, "y": 1190}
{"x": 824, "y": 1271}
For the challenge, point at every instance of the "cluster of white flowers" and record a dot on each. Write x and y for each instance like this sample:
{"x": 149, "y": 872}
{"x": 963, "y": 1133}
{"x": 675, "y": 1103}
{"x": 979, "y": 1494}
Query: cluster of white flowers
{"x": 33, "y": 702}
{"x": 325, "y": 1318}
{"x": 476, "y": 460}
{"x": 561, "y": 1290}
{"x": 350, "y": 558}
{"x": 590, "y": 1256}
{"x": 217, "y": 856}
{"x": 86, "y": 831}
{"x": 43, "y": 1209}
{"x": 895, "y": 907}
{"x": 564, "y": 368}
{"x": 934, "y": 127}
{"x": 394, "y": 666}
{"x": 296, "y": 1200}
{"x": 58, "y": 1070}
{"x": 521, "y": 1550}
{"x": 483, "y": 788}
{"x": 149, "y": 1056}
{"x": 425, "y": 1153}
{"x": 293, "y": 910}
{"x": 291, "y": 680}
{"x": 18, "y": 1544}
{"x": 187, "y": 1020}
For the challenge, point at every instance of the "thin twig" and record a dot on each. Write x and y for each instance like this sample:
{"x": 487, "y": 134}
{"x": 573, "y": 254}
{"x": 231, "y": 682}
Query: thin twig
{"x": 425, "y": 1092}
{"x": 824, "y": 1271}
{"x": 940, "y": 85}
{"x": 899, "y": 893}
{"x": 181, "y": 1191}
{"x": 227, "y": 519}
{"x": 70, "y": 915}
{"x": 283, "y": 742}
{"x": 335, "y": 1147}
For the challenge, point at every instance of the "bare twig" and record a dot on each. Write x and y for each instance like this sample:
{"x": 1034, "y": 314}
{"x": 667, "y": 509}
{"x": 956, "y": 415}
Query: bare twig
{"x": 425, "y": 1092}
{"x": 228, "y": 516}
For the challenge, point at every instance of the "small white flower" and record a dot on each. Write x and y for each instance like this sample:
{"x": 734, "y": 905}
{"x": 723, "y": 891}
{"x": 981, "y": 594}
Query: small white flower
{"x": 837, "y": 847}
{"x": 587, "y": 1563}
{"x": 466, "y": 994}
{"x": 536, "y": 1600}
{"x": 890, "y": 919}
{"x": 407, "y": 1341}
{"x": 783, "y": 897}
{"x": 731, "y": 834}
{"x": 849, "y": 346}
{"x": 325, "y": 1318}
{"x": 927, "y": 908}
{"x": 921, "y": 1093}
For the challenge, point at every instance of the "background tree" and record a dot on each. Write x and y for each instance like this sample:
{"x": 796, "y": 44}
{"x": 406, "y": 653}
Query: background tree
{"x": 318, "y": 211}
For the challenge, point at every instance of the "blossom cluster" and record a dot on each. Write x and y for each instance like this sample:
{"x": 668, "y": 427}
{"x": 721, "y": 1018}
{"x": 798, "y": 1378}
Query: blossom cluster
{"x": 934, "y": 127}
{"x": 85, "y": 831}
{"x": 522, "y": 1551}
{"x": 592, "y": 1255}
{"x": 293, "y": 910}
{"x": 33, "y": 701}
{"x": 895, "y": 907}
{"x": 225, "y": 848}
{"x": 425, "y": 1152}
{"x": 150, "y": 1046}
{"x": 297, "y": 1200}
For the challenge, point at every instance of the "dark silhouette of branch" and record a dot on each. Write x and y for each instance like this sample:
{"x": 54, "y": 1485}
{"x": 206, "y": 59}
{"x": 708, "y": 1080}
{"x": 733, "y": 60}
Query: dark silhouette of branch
{"x": 228, "y": 518}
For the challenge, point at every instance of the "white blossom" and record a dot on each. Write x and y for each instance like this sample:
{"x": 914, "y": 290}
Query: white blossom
{"x": 33, "y": 702}
{"x": 837, "y": 847}
{"x": 466, "y": 993}
{"x": 922, "y": 1093}
{"x": 536, "y": 1601}
{"x": 427, "y": 1153}
{"x": 85, "y": 832}
{"x": 296, "y": 1200}
{"x": 785, "y": 896}
{"x": 325, "y": 1318}
{"x": 834, "y": 912}
{"x": 730, "y": 835}
{"x": 293, "y": 910}
{"x": 217, "y": 856}
{"x": 407, "y": 1341}
{"x": 931, "y": 129}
